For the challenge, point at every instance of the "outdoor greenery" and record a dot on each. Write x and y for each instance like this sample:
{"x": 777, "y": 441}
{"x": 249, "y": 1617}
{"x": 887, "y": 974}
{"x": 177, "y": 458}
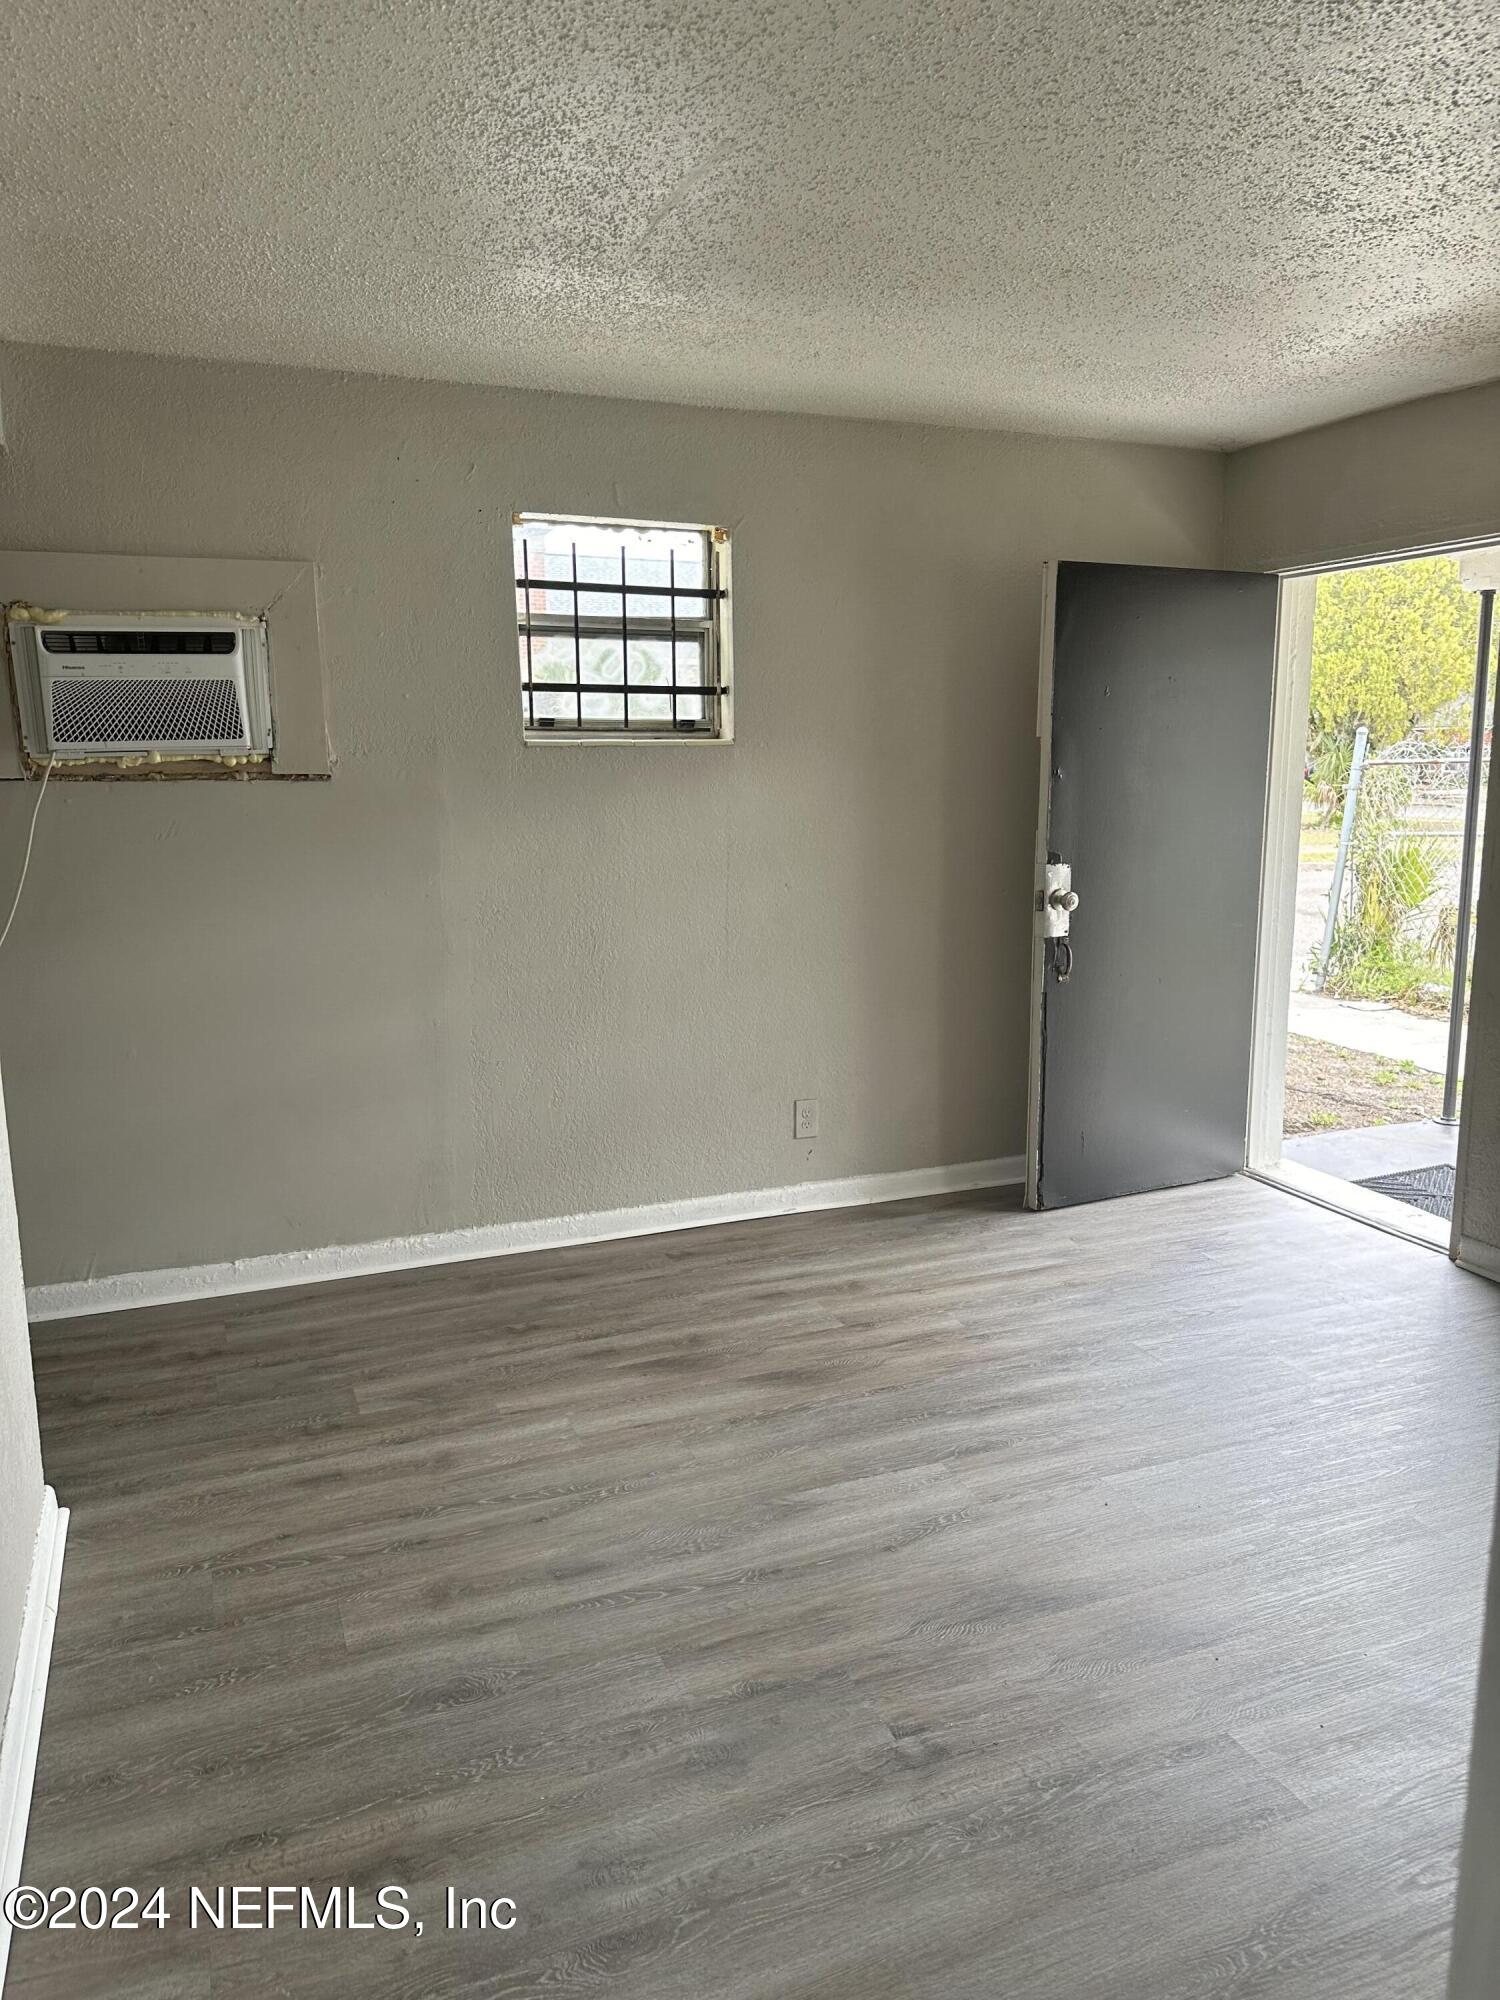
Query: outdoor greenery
{"x": 1385, "y": 947}
{"x": 1393, "y": 647}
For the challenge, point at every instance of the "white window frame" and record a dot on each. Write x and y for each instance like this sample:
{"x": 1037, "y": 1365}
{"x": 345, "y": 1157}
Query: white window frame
{"x": 712, "y": 632}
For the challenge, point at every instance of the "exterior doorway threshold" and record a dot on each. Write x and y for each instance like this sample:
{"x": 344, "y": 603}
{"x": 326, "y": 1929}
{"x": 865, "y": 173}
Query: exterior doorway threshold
{"x": 1361, "y": 1204}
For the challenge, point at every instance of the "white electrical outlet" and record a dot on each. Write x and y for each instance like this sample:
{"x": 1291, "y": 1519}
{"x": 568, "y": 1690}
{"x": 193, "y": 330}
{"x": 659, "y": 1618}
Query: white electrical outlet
{"x": 805, "y": 1118}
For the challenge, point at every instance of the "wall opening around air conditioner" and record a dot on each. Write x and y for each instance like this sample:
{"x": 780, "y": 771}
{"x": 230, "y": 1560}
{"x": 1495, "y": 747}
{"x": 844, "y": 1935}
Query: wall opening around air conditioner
{"x": 134, "y": 680}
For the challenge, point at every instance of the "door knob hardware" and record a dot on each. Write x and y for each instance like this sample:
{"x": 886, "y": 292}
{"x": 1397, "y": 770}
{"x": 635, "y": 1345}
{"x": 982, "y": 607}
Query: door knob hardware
{"x": 1056, "y": 899}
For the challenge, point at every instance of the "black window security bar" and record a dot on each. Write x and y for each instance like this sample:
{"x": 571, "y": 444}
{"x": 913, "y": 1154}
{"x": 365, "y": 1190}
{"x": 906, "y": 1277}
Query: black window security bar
{"x": 569, "y": 649}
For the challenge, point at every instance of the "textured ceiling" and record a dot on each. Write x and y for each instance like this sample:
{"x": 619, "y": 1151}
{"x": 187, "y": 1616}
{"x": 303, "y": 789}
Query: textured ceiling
{"x": 1141, "y": 218}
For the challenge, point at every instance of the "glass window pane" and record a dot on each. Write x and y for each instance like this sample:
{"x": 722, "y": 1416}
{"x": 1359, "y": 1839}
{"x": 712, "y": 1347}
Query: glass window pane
{"x": 601, "y": 660}
{"x": 603, "y": 707}
{"x": 551, "y": 658}
{"x": 648, "y": 605}
{"x": 650, "y": 663}
{"x": 547, "y": 550}
{"x": 657, "y": 708}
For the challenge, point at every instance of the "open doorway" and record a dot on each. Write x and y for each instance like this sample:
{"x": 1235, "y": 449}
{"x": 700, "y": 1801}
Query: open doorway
{"x": 1384, "y": 724}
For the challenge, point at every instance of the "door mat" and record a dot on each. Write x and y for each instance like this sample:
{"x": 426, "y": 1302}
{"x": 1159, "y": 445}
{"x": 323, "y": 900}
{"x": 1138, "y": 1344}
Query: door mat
{"x": 1427, "y": 1188}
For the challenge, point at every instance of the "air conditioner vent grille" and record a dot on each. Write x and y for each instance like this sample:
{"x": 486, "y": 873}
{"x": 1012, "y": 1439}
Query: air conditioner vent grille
{"x": 145, "y": 711}
{"x": 147, "y": 641}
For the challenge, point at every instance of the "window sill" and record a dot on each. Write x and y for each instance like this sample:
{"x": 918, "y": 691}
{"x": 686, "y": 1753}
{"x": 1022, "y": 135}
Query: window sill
{"x": 621, "y": 737}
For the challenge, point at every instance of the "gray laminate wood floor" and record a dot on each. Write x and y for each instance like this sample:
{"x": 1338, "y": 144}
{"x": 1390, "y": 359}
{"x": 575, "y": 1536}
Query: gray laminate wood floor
{"x": 915, "y": 1601}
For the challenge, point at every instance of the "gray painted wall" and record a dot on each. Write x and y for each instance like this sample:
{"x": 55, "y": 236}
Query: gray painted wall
{"x": 1419, "y": 475}
{"x": 20, "y": 1449}
{"x": 473, "y": 982}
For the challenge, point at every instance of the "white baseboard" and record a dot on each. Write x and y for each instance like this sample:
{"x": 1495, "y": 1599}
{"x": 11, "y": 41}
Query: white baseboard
{"x": 1481, "y": 1258}
{"x": 23, "y": 1715}
{"x": 504, "y": 1239}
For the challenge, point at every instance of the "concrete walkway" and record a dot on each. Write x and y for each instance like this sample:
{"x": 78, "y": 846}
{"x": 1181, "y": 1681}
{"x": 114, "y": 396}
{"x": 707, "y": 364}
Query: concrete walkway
{"x": 1374, "y": 1026}
{"x": 1375, "y": 1149}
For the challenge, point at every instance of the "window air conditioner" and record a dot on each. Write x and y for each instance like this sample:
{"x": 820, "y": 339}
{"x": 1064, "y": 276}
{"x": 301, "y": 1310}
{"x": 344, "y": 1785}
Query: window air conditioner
{"x": 151, "y": 686}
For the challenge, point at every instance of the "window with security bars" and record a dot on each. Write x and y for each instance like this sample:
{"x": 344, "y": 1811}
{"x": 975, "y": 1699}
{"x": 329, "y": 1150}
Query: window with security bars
{"x": 623, "y": 627}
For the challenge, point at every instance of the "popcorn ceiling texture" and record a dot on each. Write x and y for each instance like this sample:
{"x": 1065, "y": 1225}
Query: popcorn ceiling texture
{"x": 1174, "y": 221}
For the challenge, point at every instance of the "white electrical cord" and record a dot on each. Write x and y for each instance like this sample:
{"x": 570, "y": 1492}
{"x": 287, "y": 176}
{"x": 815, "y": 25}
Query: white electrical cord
{"x": 26, "y": 858}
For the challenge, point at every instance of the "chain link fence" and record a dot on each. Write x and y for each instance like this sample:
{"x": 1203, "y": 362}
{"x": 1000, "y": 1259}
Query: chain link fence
{"x": 1392, "y": 916}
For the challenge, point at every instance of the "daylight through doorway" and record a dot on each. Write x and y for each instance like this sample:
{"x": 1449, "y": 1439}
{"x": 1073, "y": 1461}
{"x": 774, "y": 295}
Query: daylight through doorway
{"x": 1393, "y": 801}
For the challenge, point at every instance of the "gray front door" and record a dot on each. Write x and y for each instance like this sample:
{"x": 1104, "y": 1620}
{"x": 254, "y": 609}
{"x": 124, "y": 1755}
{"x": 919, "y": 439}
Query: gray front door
{"x": 1155, "y": 794}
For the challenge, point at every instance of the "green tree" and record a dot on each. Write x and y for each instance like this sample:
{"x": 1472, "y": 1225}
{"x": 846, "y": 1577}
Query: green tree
{"x": 1392, "y": 646}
